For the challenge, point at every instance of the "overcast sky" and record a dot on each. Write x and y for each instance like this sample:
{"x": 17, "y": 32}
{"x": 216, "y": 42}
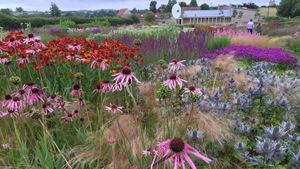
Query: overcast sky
{"x": 43, "y": 5}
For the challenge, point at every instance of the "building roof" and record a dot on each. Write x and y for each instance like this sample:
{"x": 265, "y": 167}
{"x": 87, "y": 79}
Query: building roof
{"x": 190, "y": 8}
{"x": 207, "y": 13}
{"x": 124, "y": 13}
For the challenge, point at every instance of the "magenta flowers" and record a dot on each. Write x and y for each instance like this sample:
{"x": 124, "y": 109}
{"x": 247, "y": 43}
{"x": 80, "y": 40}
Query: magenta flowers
{"x": 125, "y": 78}
{"x": 274, "y": 55}
{"x": 173, "y": 81}
{"x": 175, "y": 65}
{"x": 99, "y": 63}
{"x": 177, "y": 151}
{"x": 113, "y": 109}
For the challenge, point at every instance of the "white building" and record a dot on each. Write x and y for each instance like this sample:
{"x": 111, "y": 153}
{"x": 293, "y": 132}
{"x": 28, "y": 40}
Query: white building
{"x": 205, "y": 17}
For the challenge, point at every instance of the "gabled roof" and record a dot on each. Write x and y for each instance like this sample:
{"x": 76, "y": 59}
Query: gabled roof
{"x": 207, "y": 13}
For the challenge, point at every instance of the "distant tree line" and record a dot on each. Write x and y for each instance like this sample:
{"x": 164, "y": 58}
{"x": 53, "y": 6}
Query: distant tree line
{"x": 289, "y": 8}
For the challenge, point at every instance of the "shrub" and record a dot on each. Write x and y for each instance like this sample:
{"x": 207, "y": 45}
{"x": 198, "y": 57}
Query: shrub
{"x": 294, "y": 45}
{"x": 218, "y": 42}
{"x": 149, "y": 17}
{"x": 135, "y": 18}
{"x": 66, "y": 24}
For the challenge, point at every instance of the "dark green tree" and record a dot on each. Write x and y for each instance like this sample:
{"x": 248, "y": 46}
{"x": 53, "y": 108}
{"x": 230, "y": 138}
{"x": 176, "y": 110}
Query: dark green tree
{"x": 6, "y": 11}
{"x": 204, "y": 6}
{"x": 193, "y": 3}
{"x": 149, "y": 17}
{"x": 286, "y": 8}
{"x": 153, "y": 6}
{"x": 182, "y": 4}
{"x": 296, "y": 10}
{"x": 170, "y": 5}
{"x": 234, "y": 13}
{"x": 54, "y": 10}
{"x": 19, "y": 9}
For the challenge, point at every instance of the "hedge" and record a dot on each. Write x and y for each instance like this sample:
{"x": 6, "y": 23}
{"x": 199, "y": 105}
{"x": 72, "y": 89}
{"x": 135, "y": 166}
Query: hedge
{"x": 12, "y": 22}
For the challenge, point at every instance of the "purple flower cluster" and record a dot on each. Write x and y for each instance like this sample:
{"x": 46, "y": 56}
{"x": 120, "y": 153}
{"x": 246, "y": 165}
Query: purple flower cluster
{"x": 274, "y": 55}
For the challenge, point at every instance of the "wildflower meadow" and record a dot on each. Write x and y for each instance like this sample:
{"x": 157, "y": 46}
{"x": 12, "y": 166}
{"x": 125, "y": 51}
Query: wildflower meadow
{"x": 148, "y": 96}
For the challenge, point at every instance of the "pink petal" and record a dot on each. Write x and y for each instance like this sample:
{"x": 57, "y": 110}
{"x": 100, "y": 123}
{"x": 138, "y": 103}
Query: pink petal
{"x": 189, "y": 160}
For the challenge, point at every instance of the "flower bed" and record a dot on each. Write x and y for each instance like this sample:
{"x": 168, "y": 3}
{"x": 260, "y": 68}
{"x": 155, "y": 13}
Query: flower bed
{"x": 274, "y": 55}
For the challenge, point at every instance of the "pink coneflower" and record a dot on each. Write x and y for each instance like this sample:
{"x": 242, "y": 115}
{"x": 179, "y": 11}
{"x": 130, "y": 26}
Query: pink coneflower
{"x": 21, "y": 94}
{"x": 53, "y": 98}
{"x": 31, "y": 38}
{"x": 175, "y": 65}
{"x": 12, "y": 43}
{"x": 15, "y": 104}
{"x": 80, "y": 102}
{"x": 113, "y": 108}
{"x": 22, "y": 61}
{"x": 72, "y": 57}
{"x": 104, "y": 87}
{"x": 6, "y": 100}
{"x": 117, "y": 87}
{"x": 32, "y": 51}
{"x": 29, "y": 86}
{"x": 125, "y": 77}
{"x": 39, "y": 44}
{"x": 177, "y": 151}
{"x": 192, "y": 89}
{"x": 61, "y": 105}
{"x": 74, "y": 46}
{"x": 76, "y": 91}
{"x": 47, "y": 109}
{"x": 69, "y": 116}
{"x": 99, "y": 63}
{"x": 12, "y": 113}
{"x": 4, "y": 60}
{"x": 35, "y": 95}
{"x": 173, "y": 81}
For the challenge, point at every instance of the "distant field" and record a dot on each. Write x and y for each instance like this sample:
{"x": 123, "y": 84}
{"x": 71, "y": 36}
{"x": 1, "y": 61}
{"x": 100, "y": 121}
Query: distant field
{"x": 268, "y": 11}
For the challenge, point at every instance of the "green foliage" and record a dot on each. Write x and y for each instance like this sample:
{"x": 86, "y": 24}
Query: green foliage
{"x": 234, "y": 13}
{"x": 135, "y": 18}
{"x": 54, "y": 10}
{"x": 294, "y": 45}
{"x": 289, "y": 8}
{"x": 6, "y": 11}
{"x": 149, "y": 17}
{"x": 163, "y": 92}
{"x": 182, "y": 4}
{"x": 170, "y": 5}
{"x": 193, "y": 3}
{"x": 11, "y": 22}
{"x": 240, "y": 14}
{"x": 204, "y": 6}
{"x": 153, "y": 6}
{"x": 218, "y": 42}
{"x": 66, "y": 24}
{"x": 99, "y": 37}
{"x": 19, "y": 9}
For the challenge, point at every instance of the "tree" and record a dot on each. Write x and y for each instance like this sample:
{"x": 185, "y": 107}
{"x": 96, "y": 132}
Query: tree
{"x": 241, "y": 14}
{"x": 170, "y": 5}
{"x": 54, "y": 10}
{"x": 182, "y": 4}
{"x": 193, "y": 3}
{"x": 19, "y": 9}
{"x": 286, "y": 8}
{"x": 6, "y": 11}
{"x": 296, "y": 10}
{"x": 250, "y": 5}
{"x": 204, "y": 6}
{"x": 135, "y": 18}
{"x": 149, "y": 17}
{"x": 153, "y": 6}
{"x": 234, "y": 13}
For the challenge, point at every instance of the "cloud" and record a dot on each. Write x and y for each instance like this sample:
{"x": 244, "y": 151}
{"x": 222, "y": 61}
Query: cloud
{"x": 43, "y": 5}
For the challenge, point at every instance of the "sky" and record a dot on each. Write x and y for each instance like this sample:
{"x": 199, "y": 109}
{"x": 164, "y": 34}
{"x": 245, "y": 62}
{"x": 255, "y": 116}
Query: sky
{"x": 65, "y": 5}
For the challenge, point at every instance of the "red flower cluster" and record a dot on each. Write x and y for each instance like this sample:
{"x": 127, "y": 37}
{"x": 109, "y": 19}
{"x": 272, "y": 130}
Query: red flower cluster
{"x": 31, "y": 50}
